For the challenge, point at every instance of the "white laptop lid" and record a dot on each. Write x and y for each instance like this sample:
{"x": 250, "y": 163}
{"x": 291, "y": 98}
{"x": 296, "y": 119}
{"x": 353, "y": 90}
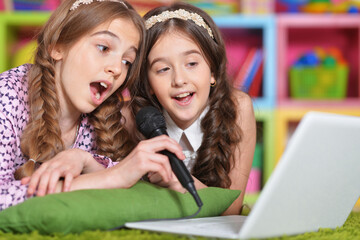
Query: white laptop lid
{"x": 316, "y": 182}
{"x": 315, "y": 185}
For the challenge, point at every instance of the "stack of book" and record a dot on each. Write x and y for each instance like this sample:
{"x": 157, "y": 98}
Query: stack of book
{"x": 250, "y": 74}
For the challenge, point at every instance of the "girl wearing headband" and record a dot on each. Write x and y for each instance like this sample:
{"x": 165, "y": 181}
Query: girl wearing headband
{"x": 60, "y": 116}
{"x": 184, "y": 75}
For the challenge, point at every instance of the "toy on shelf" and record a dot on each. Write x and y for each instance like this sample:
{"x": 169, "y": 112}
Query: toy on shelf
{"x": 291, "y": 6}
{"x": 318, "y": 6}
{"x": 327, "y": 6}
{"x": 257, "y": 6}
{"x": 348, "y": 6}
{"x": 319, "y": 74}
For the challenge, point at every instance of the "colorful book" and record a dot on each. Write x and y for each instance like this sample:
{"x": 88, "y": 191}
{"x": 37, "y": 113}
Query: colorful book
{"x": 253, "y": 69}
{"x": 255, "y": 87}
{"x": 249, "y": 70}
{"x": 244, "y": 69}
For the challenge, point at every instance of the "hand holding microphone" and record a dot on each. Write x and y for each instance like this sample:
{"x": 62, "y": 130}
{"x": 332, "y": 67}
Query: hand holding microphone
{"x": 151, "y": 123}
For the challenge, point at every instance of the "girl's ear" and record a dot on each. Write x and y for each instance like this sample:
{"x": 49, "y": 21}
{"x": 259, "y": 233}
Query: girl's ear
{"x": 212, "y": 80}
{"x": 56, "y": 52}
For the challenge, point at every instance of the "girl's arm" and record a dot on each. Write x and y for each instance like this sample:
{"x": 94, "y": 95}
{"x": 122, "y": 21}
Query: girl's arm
{"x": 68, "y": 165}
{"x": 244, "y": 153}
{"x": 143, "y": 159}
{"x": 12, "y": 192}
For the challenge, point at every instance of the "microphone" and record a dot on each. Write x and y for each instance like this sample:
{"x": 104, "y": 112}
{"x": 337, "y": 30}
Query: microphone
{"x": 151, "y": 123}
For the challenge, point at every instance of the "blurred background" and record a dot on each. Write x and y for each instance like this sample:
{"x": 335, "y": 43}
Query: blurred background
{"x": 291, "y": 56}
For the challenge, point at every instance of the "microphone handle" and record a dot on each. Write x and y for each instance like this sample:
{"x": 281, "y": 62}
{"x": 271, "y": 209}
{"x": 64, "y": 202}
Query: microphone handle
{"x": 179, "y": 168}
{"x": 183, "y": 175}
{"x": 177, "y": 165}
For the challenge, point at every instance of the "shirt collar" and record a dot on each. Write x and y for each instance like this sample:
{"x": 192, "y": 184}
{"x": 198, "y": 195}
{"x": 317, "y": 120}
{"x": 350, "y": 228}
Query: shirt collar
{"x": 193, "y": 132}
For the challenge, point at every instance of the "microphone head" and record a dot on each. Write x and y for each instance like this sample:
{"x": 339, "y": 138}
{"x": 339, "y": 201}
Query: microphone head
{"x": 149, "y": 120}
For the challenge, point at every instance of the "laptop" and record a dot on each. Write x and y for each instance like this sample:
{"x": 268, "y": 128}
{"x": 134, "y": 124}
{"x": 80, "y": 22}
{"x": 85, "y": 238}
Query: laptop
{"x": 315, "y": 184}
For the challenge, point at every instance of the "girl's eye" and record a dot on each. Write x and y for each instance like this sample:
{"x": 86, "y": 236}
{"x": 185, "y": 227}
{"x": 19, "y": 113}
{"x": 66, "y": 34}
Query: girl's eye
{"x": 127, "y": 63}
{"x": 163, "y": 70}
{"x": 192, "y": 64}
{"x": 102, "y": 48}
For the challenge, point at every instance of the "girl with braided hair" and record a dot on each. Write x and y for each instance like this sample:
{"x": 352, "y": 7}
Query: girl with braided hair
{"x": 184, "y": 75}
{"x": 62, "y": 122}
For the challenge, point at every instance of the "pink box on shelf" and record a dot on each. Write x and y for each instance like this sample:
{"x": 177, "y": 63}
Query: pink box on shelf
{"x": 254, "y": 182}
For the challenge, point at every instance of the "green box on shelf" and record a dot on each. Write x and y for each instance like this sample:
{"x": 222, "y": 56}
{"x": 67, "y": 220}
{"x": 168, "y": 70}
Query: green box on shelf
{"x": 258, "y": 159}
{"x": 319, "y": 82}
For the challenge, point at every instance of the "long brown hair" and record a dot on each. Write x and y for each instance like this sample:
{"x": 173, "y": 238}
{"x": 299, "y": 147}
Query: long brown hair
{"x": 41, "y": 139}
{"x": 221, "y": 133}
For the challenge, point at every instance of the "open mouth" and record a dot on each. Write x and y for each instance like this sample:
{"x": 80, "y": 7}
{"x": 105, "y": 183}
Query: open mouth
{"x": 99, "y": 89}
{"x": 184, "y": 97}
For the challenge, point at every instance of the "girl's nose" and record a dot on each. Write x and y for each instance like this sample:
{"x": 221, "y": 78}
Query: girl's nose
{"x": 114, "y": 68}
{"x": 179, "y": 78}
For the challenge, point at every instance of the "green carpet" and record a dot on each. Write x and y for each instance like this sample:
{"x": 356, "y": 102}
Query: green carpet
{"x": 350, "y": 230}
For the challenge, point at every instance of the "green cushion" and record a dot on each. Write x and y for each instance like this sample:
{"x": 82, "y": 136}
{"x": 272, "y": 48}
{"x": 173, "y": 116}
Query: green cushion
{"x": 77, "y": 211}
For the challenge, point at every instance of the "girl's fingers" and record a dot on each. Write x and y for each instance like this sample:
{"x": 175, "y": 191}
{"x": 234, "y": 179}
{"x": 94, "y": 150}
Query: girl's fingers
{"x": 161, "y": 172}
{"x": 144, "y": 162}
{"x": 25, "y": 180}
{"x": 67, "y": 182}
{"x": 163, "y": 142}
{"x": 164, "y": 163}
{"x": 149, "y": 174}
{"x": 53, "y": 180}
{"x": 43, "y": 184}
{"x": 155, "y": 178}
{"x": 34, "y": 181}
{"x": 35, "y": 178}
{"x": 45, "y": 179}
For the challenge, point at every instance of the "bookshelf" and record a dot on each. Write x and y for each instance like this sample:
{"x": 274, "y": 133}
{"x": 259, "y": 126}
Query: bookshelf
{"x": 245, "y": 32}
{"x": 281, "y": 38}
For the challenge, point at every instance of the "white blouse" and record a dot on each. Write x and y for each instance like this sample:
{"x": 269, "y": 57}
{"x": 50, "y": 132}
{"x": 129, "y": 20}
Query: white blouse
{"x": 189, "y": 139}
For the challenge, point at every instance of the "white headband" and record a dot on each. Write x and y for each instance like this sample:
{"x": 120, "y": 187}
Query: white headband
{"x": 180, "y": 14}
{"x": 77, "y": 3}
